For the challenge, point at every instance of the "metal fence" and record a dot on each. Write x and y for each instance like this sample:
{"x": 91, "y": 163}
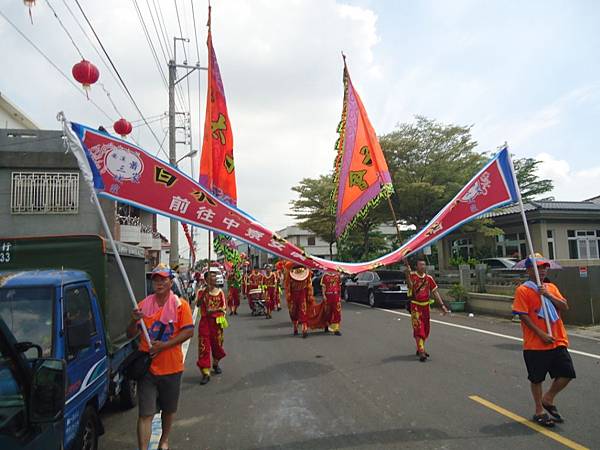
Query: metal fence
{"x": 44, "y": 193}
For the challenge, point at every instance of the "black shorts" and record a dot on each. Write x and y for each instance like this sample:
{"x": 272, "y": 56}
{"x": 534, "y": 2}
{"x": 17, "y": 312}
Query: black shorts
{"x": 158, "y": 393}
{"x": 557, "y": 362}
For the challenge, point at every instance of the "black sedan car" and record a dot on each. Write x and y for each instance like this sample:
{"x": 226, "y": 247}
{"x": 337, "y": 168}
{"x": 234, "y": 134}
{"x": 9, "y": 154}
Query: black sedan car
{"x": 378, "y": 288}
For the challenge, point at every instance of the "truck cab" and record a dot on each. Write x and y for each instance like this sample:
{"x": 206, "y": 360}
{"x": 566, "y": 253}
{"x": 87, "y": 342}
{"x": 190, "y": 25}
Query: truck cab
{"x": 66, "y": 295}
{"x": 32, "y": 396}
{"x": 59, "y": 312}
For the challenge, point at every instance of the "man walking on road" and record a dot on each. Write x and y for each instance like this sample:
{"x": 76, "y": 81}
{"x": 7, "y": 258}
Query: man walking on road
{"x": 543, "y": 353}
{"x": 421, "y": 286}
{"x": 169, "y": 323}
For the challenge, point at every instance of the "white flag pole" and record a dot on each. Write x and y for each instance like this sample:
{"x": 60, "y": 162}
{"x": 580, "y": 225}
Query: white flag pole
{"x": 75, "y": 146}
{"x": 529, "y": 243}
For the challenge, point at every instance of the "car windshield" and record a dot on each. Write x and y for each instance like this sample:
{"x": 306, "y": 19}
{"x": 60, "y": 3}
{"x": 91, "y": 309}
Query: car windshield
{"x": 28, "y": 314}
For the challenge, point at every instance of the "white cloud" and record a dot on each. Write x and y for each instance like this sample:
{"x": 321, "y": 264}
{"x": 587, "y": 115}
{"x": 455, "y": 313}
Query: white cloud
{"x": 281, "y": 67}
{"x": 569, "y": 184}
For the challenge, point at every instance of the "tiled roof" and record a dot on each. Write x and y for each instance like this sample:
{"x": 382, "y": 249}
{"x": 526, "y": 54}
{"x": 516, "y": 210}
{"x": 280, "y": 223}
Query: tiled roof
{"x": 545, "y": 205}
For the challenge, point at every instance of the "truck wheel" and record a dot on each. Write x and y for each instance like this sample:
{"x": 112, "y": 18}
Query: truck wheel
{"x": 89, "y": 430}
{"x": 128, "y": 396}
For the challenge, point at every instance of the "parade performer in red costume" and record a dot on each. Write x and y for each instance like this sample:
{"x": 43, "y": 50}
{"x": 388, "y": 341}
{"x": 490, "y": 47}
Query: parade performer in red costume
{"x": 210, "y": 329}
{"x": 271, "y": 284}
{"x": 421, "y": 286}
{"x": 254, "y": 281}
{"x": 299, "y": 296}
{"x": 331, "y": 284}
{"x": 234, "y": 285}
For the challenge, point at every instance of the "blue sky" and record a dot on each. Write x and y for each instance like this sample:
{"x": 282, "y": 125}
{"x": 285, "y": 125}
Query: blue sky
{"x": 526, "y": 72}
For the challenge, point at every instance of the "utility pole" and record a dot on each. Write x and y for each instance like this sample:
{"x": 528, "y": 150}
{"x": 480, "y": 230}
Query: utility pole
{"x": 173, "y": 81}
{"x": 174, "y": 224}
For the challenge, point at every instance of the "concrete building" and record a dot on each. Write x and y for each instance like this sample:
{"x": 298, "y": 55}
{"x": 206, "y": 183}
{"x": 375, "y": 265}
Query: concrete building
{"x": 42, "y": 193}
{"x": 565, "y": 231}
{"x": 12, "y": 117}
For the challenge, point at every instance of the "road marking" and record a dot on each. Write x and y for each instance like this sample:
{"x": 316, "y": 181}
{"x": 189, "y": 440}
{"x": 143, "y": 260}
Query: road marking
{"x": 156, "y": 422}
{"x": 528, "y": 423}
{"x": 478, "y": 330}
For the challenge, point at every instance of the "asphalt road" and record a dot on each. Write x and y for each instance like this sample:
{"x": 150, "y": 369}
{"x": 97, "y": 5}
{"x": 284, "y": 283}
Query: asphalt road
{"x": 366, "y": 389}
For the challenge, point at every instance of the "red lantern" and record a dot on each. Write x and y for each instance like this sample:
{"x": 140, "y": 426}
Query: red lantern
{"x": 122, "y": 127}
{"x": 86, "y": 73}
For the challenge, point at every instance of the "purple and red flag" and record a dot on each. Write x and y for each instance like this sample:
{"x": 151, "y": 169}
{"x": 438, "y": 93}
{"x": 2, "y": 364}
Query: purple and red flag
{"x": 361, "y": 176}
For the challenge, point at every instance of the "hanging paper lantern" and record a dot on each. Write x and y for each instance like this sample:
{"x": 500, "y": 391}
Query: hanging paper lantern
{"x": 122, "y": 127}
{"x": 86, "y": 73}
{"x": 29, "y": 4}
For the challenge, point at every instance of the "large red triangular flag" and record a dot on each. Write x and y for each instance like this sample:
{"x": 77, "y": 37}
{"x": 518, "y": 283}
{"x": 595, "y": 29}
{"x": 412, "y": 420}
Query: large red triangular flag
{"x": 217, "y": 169}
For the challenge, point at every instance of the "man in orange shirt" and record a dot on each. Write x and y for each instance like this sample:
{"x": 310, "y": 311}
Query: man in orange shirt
{"x": 543, "y": 353}
{"x": 169, "y": 323}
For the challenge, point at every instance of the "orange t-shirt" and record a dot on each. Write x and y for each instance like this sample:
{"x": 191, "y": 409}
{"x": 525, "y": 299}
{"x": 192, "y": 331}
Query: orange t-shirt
{"x": 168, "y": 361}
{"x": 528, "y": 302}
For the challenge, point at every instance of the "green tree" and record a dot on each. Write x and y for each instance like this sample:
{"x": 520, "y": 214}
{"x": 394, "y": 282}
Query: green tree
{"x": 532, "y": 187}
{"x": 429, "y": 163}
{"x": 312, "y": 209}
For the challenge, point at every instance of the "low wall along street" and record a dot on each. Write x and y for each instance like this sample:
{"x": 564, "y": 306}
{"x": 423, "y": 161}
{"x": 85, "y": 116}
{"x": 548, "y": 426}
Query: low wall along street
{"x": 492, "y": 293}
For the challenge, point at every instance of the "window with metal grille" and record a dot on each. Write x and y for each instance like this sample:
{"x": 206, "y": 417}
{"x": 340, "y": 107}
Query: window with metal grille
{"x": 44, "y": 193}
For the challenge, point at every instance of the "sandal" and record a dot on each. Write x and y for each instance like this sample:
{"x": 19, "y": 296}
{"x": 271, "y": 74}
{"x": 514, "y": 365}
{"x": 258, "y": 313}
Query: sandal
{"x": 543, "y": 420}
{"x": 553, "y": 412}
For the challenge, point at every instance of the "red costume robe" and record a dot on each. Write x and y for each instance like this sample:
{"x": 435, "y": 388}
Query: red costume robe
{"x": 422, "y": 288}
{"x": 298, "y": 302}
{"x": 271, "y": 284}
{"x": 210, "y": 333}
{"x": 233, "y": 291}
{"x": 331, "y": 283}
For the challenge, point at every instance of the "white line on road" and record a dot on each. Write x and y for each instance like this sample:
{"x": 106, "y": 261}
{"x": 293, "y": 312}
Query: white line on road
{"x": 478, "y": 330}
{"x": 156, "y": 422}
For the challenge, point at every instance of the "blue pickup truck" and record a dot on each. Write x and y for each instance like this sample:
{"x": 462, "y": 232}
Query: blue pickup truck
{"x": 66, "y": 296}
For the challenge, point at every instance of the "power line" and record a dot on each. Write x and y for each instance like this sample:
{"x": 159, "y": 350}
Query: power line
{"x": 180, "y": 29}
{"x": 195, "y": 31}
{"x": 102, "y": 58}
{"x": 163, "y": 27}
{"x": 64, "y": 28}
{"x": 150, "y": 44}
{"x": 110, "y": 100}
{"x": 47, "y": 58}
{"x": 160, "y": 42}
{"x": 119, "y": 75}
{"x": 187, "y": 80}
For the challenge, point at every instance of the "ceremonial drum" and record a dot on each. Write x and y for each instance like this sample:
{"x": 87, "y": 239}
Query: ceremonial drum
{"x": 254, "y": 292}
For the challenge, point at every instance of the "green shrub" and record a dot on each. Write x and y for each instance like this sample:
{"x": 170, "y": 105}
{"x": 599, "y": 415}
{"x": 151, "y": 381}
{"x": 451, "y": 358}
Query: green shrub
{"x": 458, "y": 293}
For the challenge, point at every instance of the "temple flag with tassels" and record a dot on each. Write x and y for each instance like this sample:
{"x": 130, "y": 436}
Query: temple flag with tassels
{"x": 217, "y": 169}
{"x": 361, "y": 177}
